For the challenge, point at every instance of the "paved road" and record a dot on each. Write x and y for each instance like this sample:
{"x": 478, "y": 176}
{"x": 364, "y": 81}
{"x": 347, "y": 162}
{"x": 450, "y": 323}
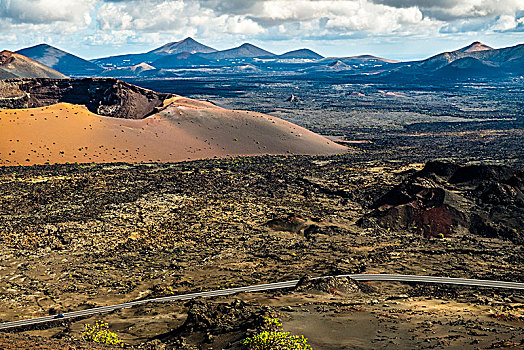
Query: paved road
{"x": 262, "y": 288}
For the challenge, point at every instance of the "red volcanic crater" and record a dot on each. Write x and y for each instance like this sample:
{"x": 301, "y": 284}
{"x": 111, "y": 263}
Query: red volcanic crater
{"x": 55, "y": 125}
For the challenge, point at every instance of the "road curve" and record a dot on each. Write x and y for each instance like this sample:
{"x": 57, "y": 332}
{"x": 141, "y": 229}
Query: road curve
{"x": 262, "y": 288}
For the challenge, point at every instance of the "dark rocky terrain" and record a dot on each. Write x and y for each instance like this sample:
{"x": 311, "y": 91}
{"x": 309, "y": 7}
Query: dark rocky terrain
{"x": 104, "y": 234}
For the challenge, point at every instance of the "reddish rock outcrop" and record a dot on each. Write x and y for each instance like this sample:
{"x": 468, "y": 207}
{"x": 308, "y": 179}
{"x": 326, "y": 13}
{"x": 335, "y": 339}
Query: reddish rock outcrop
{"x": 444, "y": 198}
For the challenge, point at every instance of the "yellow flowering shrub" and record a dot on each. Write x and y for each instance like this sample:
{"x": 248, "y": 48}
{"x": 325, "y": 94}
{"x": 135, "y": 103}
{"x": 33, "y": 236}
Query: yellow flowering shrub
{"x": 273, "y": 337}
{"x": 100, "y": 333}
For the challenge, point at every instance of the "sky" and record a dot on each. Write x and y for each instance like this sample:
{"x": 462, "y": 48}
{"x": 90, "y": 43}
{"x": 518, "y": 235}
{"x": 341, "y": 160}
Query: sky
{"x": 397, "y": 29}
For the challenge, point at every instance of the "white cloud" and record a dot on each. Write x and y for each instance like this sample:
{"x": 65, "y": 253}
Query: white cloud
{"x": 178, "y": 17}
{"x": 143, "y": 16}
{"x": 219, "y": 22}
{"x": 377, "y": 19}
{"x": 27, "y": 22}
{"x": 214, "y": 19}
{"x": 242, "y": 25}
{"x": 505, "y": 22}
{"x": 47, "y": 11}
{"x": 448, "y": 10}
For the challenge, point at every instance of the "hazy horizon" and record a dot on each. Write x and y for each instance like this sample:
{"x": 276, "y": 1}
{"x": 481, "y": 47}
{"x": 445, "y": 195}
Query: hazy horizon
{"x": 396, "y": 29}
{"x": 278, "y": 51}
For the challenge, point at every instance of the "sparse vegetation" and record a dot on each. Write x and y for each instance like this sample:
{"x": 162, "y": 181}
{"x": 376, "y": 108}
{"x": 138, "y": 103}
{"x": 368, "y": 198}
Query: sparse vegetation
{"x": 100, "y": 333}
{"x": 273, "y": 337}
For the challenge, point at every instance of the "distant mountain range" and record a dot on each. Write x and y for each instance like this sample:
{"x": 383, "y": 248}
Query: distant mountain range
{"x": 187, "y": 46}
{"x": 476, "y": 60}
{"x": 189, "y": 52}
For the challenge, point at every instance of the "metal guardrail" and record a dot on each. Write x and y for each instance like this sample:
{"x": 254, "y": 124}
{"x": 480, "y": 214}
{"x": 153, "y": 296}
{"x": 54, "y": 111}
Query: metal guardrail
{"x": 262, "y": 288}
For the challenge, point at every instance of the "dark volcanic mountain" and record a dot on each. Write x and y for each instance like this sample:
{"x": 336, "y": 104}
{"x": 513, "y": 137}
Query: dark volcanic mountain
{"x": 190, "y": 53}
{"x": 338, "y": 65}
{"x": 509, "y": 59}
{"x": 243, "y": 51}
{"x": 184, "y": 59}
{"x": 475, "y": 47}
{"x": 445, "y": 58}
{"x": 467, "y": 67}
{"x": 13, "y": 65}
{"x": 301, "y": 54}
{"x": 128, "y": 60}
{"x": 133, "y": 71}
{"x": 61, "y": 61}
{"x": 362, "y": 60}
{"x": 504, "y": 57}
{"x": 188, "y": 45}
{"x": 474, "y": 60}
{"x": 356, "y": 64}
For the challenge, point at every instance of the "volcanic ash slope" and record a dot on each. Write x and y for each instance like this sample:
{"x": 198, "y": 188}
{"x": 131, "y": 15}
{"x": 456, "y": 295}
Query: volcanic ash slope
{"x": 185, "y": 130}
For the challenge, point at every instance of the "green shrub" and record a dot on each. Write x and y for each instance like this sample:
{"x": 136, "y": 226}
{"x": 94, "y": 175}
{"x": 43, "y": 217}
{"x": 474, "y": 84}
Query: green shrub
{"x": 99, "y": 333}
{"x": 273, "y": 337}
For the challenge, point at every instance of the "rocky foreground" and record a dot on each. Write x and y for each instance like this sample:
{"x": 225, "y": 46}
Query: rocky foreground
{"x": 77, "y": 236}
